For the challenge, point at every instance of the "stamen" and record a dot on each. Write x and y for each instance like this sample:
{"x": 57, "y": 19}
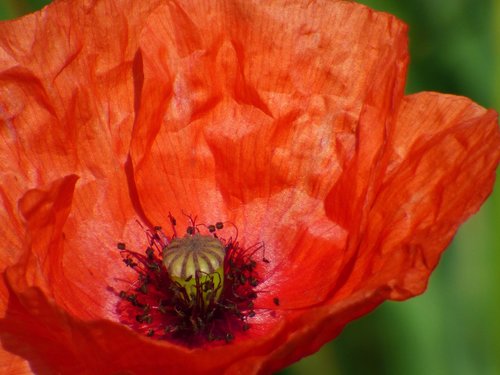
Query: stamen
{"x": 194, "y": 289}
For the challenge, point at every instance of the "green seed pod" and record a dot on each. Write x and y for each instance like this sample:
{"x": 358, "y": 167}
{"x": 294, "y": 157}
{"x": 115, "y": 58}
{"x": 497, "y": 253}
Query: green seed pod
{"x": 196, "y": 258}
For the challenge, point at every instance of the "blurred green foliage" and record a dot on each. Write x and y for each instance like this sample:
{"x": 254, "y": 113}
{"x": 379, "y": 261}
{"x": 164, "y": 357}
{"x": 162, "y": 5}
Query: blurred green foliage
{"x": 14, "y": 8}
{"x": 454, "y": 327}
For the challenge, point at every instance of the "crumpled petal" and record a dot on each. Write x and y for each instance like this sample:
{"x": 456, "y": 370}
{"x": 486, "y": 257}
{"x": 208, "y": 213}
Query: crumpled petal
{"x": 68, "y": 109}
{"x": 303, "y": 139}
{"x": 437, "y": 170}
{"x": 257, "y": 130}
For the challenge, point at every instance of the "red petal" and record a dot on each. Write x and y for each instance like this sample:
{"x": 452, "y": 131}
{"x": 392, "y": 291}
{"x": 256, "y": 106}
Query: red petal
{"x": 438, "y": 169}
{"x": 67, "y": 102}
{"x": 12, "y": 364}
{"x": 229, "y": 118}
{"x": 66, "y": 99}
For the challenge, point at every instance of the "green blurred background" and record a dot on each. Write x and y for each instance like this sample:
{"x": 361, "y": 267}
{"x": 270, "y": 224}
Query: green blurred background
{"x": 454, "y": 328}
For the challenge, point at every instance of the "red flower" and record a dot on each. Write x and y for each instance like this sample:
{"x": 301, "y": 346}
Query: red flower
{"x": 285, "y": 118}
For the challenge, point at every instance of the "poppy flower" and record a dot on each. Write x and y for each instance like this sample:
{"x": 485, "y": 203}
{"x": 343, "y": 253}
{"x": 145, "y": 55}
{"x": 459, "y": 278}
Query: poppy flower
{"x": 280, "y": 127}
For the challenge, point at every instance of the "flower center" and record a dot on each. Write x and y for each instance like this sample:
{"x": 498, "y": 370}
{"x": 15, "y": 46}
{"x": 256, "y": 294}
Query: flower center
{"x": 192, "y": 289}
{"x": 196, "y": 262}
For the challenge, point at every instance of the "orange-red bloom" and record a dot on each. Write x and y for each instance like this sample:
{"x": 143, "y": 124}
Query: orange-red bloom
{"x": 285, "y": 118}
